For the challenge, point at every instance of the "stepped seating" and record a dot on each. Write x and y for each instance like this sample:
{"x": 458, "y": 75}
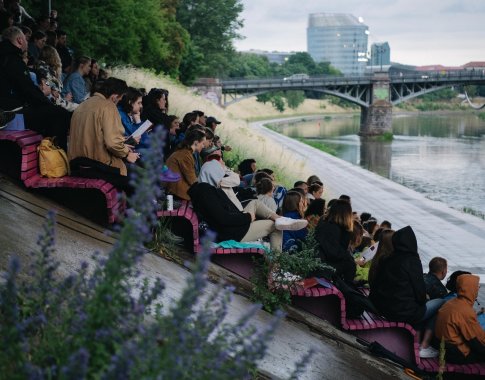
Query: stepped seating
{"x": 398, "y": 337}
{"x": 20, "y": 156}
{"x": 186, "y": 223}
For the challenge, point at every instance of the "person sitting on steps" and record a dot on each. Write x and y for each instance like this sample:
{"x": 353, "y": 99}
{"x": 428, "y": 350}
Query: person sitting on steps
{"x": 397, "y": 287}
{"x": 222, "y": 215}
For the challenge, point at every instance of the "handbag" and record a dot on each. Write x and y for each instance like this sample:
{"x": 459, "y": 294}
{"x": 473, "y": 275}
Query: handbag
{"x": 53, "y": 162}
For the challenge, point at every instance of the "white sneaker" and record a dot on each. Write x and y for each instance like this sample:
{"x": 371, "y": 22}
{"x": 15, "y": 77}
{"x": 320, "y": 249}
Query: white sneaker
{"x": 288, "y": 224}
{"x": 427, "y": 353}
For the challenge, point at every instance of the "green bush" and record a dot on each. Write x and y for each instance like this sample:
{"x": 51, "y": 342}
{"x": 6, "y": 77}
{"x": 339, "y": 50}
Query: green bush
{"x": 279, "y": 271}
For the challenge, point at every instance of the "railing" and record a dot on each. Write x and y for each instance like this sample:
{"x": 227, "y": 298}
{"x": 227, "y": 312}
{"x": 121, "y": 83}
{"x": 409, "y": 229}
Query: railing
{"x": 394, "y": 77}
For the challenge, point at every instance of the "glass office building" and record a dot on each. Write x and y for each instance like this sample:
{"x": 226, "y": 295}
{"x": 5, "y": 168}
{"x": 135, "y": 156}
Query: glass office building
{"x": 380, "y": 54}
{"x": 340, "y": 39}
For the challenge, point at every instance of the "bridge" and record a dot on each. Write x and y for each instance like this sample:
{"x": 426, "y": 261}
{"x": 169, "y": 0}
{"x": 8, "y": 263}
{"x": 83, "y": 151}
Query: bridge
{"x": 375, "y": 93}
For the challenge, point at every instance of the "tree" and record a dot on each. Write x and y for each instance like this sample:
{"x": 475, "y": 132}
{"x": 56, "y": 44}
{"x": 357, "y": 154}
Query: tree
{"x": 294, "y": 98}
{"x": 278, "y": 102}
{"x": 143, "y": 33}
{"x": 246, "y": 65}
{"x": 212, "y": 25}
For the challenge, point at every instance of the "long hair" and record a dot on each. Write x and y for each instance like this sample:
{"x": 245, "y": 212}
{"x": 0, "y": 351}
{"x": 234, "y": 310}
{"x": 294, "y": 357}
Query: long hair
{"x": 291, "y": 202}
{"x": 51, "y": 57}
{"x": 341, "y": 214}
{"x": 130, "y": 97}
{"x": 384, "y": 250}
{"x": 154, "y": 96}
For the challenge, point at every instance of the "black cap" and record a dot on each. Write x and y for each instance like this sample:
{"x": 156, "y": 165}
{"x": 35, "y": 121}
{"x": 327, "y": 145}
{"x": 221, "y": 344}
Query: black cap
{"x": 210, "y": 120}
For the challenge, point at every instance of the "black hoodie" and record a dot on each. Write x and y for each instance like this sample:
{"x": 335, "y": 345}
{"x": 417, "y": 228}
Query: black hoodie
{"x": 16, "y": 87}
{"x": 219, "y": 212}
{"x": 398, "y": 290}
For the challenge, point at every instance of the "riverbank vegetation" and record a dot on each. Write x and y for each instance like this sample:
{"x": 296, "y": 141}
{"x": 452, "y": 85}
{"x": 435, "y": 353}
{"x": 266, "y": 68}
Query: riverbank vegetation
{"x": 104, "y": 320}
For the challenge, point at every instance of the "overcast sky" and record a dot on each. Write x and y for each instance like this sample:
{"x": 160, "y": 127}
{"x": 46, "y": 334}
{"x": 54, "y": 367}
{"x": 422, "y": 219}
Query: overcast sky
{"x": 419, "y": 32}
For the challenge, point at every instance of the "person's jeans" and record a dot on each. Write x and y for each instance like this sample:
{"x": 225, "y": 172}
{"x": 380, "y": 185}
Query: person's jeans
{"x": 429, "y": 318}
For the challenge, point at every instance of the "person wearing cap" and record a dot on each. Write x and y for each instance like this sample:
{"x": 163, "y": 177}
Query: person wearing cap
{"x": 212, "y": 122}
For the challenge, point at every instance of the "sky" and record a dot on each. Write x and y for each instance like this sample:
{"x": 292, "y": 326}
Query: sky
{"x": 419, "y": 32}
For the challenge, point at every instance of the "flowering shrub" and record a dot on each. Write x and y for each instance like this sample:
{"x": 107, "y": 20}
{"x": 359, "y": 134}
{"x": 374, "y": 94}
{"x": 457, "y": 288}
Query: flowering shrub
{"x": 93, "y": 324}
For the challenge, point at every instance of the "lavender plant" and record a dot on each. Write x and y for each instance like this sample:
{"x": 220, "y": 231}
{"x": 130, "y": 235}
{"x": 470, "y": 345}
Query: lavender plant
{"x": 91, "y": 325}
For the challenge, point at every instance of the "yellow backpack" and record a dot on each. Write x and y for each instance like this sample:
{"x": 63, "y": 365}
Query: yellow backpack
{"x": 53, "y": 162}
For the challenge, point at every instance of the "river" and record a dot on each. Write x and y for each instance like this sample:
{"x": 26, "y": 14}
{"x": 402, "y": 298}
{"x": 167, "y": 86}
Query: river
{"x": 439, "y": 155}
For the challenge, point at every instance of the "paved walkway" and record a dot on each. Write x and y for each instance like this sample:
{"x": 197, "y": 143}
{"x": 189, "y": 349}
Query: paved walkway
{"x": 440, "y": 230}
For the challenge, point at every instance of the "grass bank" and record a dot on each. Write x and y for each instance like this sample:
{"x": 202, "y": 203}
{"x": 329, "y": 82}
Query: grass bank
{"x": 234, "y": 129}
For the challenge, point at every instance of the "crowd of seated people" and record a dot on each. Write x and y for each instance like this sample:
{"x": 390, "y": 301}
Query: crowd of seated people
{"x": 94, "y": 118}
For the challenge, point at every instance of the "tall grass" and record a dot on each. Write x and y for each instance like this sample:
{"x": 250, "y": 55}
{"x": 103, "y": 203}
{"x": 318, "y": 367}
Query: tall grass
{"x": 248, "y": 143}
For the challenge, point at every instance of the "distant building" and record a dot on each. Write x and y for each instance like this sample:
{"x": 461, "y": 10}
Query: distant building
{"x": 475, "y": 65}
{"x": 278, "y": 57}
{"x": 439, "y": 68}
{"x": 380, "y": 54}
{"x": 340, "y": 39}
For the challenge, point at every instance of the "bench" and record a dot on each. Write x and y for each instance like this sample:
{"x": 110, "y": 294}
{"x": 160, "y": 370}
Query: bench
{"x": 329, "y": 304}
{"x": 398, "y": 337}
{"x": 184, "y": 222}
{"x": 21, "y": 160}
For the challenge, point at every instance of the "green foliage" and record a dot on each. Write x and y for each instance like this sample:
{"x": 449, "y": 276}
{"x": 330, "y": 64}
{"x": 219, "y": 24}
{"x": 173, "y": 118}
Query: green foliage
{"x": 244, "y": 65}
{"x": 294, "y": 98}
{"x": 319, "y": 145}
{"x": 144, "y": 33}
{"x": 481, "y": 115}
{"x": 212, "y": 25}
{"x": 279, "y": 271}
{"x": 278, "y": 102}
{"x": 264, "y": 98}
{"x": 474, "y": 212}
{"x": 441, "y": 358}
{"x": 342, "y": 102}
{"x": 385, "y": 137}
{"x": 444, "y": 94}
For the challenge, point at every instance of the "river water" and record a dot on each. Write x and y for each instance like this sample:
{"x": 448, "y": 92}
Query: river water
{"x": 439, "y": 155}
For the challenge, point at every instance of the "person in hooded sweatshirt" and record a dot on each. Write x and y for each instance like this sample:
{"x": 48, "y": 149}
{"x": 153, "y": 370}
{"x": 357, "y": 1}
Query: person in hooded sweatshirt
{"x": 227, "y": 220}
{"x": 398, "y": 290}
{"x": 457, "y": 324}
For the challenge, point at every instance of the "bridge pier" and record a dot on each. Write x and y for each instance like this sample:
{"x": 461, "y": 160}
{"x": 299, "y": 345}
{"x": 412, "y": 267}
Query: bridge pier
{"x": 376, "y": 119}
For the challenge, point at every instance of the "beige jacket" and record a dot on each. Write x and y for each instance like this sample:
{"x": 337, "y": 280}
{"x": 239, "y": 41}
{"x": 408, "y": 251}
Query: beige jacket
{"x": 97, "y": 133}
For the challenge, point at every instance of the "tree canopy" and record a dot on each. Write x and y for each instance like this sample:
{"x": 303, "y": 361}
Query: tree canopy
{"x": 185, "y": 39}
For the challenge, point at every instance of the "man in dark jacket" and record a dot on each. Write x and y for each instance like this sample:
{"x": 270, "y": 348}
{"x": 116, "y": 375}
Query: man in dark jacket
{"x": 18, "y": 90}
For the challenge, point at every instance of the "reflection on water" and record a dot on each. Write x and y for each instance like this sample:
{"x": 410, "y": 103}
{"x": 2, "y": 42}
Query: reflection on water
{"x": 442, "y": 156}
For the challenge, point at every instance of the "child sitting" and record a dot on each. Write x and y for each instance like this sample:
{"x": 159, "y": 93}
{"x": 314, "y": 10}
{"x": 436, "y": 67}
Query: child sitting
{"x": 294, "y": 208}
